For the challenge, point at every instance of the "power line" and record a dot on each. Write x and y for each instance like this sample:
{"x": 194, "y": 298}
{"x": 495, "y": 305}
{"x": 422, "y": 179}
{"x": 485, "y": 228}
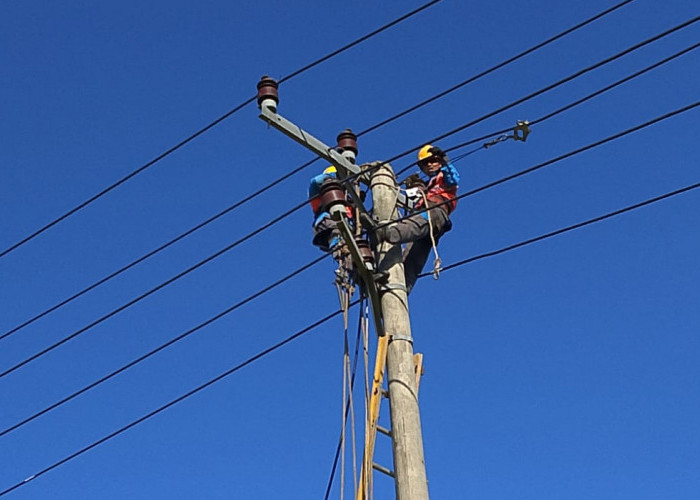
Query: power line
{"x": 330, "y": 316}
{"x": 568, "y": 106}
{"x": 302, "y": 167}
{"x": 153, "y": 252}
{"x": 487, "y": 186}
{"x": 176, "y": 400}
{"x": 579, "y": 73}
{"x": 554, "y": 160}
{"x": 360, "y": 40}
{"x": 575, "y": 75}
{"x": 161, "y": 347}
{"x": 207, "y": 128}
{"x": 568, "y": 228}
{"x": 557, "y": 84}
{"x": 498, "y": 66}
{"x": 151, "y": 291}
{"x": 347, "y": 404}
{"x": 545, "y": 89}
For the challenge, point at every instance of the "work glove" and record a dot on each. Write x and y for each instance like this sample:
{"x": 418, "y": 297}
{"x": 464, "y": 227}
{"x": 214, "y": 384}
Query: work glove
{"x": 414, "y": 181}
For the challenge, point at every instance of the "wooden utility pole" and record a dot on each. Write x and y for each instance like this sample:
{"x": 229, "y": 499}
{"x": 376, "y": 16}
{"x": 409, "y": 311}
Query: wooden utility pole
{"x": 390, "y": 311}
{"x": 409, "y": 461}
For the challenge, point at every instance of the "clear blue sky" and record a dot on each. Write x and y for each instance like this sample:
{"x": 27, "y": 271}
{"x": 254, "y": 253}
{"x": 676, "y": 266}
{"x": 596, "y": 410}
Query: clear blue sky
{"x": 564, "y": 369}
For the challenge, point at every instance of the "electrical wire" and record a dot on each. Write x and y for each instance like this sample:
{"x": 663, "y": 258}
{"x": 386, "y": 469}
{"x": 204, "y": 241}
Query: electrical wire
{"x": 497, "y": 66}
{"x": 330, "y": 316}
{"x": 151, "y": 291}
{"x": 277, "y": 219}
{"x": 549, "y": 87}
{"x": 552, "y": 86}
{"x": 327, "y": 318}
{"x": 352, "y": 384}
{"x": 161, "y": 347}
{"x": 75, "y": 334}
{"x": 302, "y": 167}
{"x": 568, "y": 228}
{"x": 173, "y": 402}
{"x": 552, "y": 161}
{"x": 574, "y": 75}
{"x": 153, "y": 252}
{"x": 209, "y": 127}
{"x": 562, "y": 109}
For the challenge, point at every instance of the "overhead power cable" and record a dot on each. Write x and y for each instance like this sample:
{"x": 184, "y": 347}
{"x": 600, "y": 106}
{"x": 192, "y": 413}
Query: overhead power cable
{"x": 568, "y": 106}
{"x": 568, "y": 228}
{"x": 161, "y": 347}
{"x": 474, "y": 191}
{"x": 554, "y": 85}
{"x": 151, "y": 253}
{"x": 626, "y": 51}
{"x": 497, "y": 66}
{"x": 209, "y": 127}
{"x": 176, "y": 400}
{"x": 555, "y": 160}
{"x": 347, "y": 404}
{"x": 302, "y": 167}
{"x": 576, "y": 75}
{"x": 151, "y": 291}
{"x": 330, "y": 316}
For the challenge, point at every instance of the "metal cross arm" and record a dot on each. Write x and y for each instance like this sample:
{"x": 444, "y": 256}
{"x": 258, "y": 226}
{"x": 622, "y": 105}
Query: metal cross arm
{"x": 342, "y": 156}
{"x": 345, "y": 167}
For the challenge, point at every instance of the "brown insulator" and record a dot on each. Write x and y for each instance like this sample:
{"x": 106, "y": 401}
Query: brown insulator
{"x": 332, "y": 195}
{"x": 365, "y": 249}
{"x": 267, "y": 89}
{"x": 347, "y": 141}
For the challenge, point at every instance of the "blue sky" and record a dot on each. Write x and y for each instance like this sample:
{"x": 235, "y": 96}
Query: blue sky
{"x": 564, "y": 369}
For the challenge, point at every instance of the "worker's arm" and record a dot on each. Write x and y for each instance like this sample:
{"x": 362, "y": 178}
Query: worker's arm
{"x": 450, "y": 175}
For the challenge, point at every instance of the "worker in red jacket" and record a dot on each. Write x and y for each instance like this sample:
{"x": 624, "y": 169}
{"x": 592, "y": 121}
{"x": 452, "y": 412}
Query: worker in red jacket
{"x": 439, "y": 195}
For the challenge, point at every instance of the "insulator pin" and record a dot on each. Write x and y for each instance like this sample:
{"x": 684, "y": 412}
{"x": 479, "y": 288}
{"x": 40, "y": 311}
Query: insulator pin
{"x": 268, "y": 97}
{"x": 333, "y": 197}
{"x": 365, "y": 250}
{"x": 347, "y": 143}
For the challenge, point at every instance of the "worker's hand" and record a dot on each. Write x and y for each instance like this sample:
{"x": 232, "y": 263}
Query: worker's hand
{"x": 414, "y": 181}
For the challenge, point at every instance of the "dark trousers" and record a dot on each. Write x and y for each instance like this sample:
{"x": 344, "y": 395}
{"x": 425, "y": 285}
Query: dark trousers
{"x": 415, "y": 232}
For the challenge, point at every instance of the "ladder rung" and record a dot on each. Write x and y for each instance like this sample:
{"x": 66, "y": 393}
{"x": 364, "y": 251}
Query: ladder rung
{"x": 384, "y": 430}
{"x": 382, "y": 469}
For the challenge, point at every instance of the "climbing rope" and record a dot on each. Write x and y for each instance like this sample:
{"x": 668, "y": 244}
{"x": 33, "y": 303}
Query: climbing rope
{"x": 438, "y": 262}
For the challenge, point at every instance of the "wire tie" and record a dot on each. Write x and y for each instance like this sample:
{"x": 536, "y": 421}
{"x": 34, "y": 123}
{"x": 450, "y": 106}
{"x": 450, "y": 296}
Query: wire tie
{"x": 407, "y": 338}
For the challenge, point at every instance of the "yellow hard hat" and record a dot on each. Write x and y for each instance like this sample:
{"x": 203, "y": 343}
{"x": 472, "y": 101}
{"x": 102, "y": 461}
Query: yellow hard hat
{"x": 424, "y": 152}
{"x": 330, "y": 170}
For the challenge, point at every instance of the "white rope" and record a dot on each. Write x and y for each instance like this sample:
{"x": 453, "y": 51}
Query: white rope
{"x": 437, "y": 265}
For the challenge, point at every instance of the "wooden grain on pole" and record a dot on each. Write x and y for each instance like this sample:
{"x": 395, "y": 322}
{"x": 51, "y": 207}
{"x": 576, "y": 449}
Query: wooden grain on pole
{"x": 409, "y": 462}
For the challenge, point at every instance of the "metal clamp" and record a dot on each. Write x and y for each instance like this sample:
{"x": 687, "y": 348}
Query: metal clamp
{"x": 407, "y": 338}
{"x": 521, "y": 130}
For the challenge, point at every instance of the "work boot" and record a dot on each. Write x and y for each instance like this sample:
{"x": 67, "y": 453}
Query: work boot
{"x": 382, "y": 233}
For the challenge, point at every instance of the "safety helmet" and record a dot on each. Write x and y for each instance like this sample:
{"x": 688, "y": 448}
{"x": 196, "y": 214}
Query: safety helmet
{"x": 424, "y": 152}
{"x": 330, "y": 170}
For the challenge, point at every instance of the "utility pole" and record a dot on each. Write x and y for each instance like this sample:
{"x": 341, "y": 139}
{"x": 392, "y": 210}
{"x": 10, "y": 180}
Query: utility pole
{"x": 389, "y": 302}
{"x": 409, "y": 461}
